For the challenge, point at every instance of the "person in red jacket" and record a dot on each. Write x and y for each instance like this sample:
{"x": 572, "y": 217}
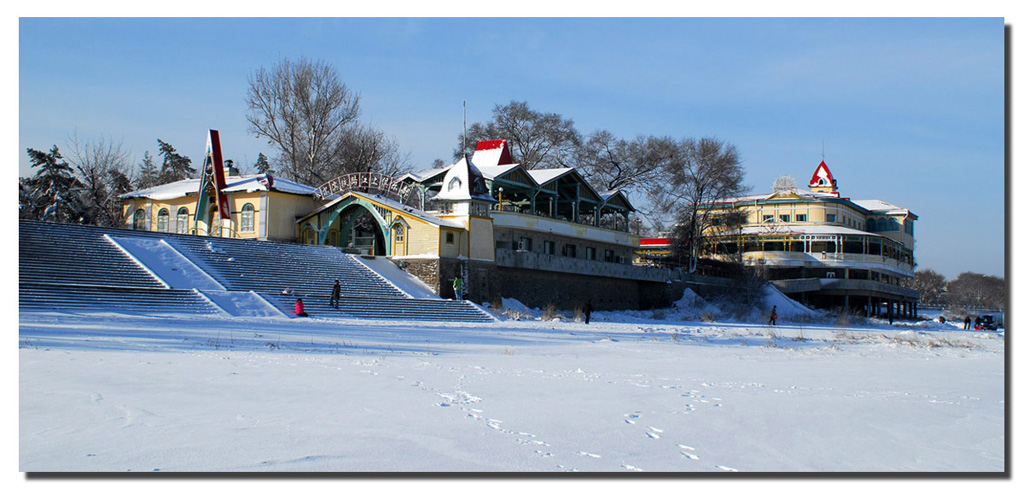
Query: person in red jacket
{"x": 300, "y": 310}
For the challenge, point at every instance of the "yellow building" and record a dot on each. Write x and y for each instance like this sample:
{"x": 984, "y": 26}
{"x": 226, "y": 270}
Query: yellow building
{"x": 819, "y": 246}
{"x": 171, "y": 208}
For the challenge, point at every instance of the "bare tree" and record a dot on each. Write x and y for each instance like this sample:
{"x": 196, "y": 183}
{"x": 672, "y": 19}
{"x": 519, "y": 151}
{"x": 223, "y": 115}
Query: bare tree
{"x": 612, "y": 164}
{"x": 364, "y": 149}
{"x": 301, "y": 108}
{"x": 974, "y": 290}
{"x": 700, "y": 172}
{"x": 103, "y": 167}
{"x": 930, "y": 284}
{"x": 535, "y": 139}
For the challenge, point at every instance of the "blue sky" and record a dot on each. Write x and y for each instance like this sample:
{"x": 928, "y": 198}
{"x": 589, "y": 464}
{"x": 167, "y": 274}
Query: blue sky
{"x": 910, "y": 111}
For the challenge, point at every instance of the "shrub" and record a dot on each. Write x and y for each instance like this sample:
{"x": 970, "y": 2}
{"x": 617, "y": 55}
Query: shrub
{"x": 550, "y": 313}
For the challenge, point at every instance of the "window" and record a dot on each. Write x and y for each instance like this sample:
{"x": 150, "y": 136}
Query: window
{"x": 454, "y": 184}
{"x": 399, "y": 233}
{"x": 801, "y": 218}
{"x": 609, "y": 255}
{"x": 525, "y": 244}
{"x": 784, "y": 218}
{"x": 163, "y": 219}
{"x": 248, "y": 214}
{"x": 549, "y": 247}
{"x": 449, "y": 238}
{"x": 181, "y": 224}
{"x": 830, "y": 217}
{"x": 569, "y": 250}
{"x": 591, "y": 253}
{"x": 770, "y": 218}
{"x": 139, "y": 220}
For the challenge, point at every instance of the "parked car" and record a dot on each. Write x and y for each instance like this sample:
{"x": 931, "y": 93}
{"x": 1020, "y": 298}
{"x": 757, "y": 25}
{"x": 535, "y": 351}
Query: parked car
{"x": 987, "y": 323}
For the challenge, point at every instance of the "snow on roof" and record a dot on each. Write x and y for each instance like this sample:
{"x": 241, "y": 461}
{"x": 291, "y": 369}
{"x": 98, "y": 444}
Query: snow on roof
{"x": 426, "y": 175}
{"x": 492, "y": 153}
{"x": 463, "y": 181}
{"x": 876, "y": 205}
{"x": 546, "y": 175}
{"x": 239, "y": 183}
{"x": 428, "y": 218}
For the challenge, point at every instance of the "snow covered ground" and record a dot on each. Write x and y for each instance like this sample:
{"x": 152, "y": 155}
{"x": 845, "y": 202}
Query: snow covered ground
{"x": 687, "y": 389}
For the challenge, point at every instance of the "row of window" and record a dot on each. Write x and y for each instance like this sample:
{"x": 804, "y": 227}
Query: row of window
{"x": 568, "y": 250}
{"x": 247, "y": 221}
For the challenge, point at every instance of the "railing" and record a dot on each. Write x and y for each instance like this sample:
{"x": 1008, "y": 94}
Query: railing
{"x": 505, "y": 257}
{"x": 826, "y": 259}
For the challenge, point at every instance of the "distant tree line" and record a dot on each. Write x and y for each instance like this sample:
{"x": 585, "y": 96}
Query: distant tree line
{"x": 969, "y": 291}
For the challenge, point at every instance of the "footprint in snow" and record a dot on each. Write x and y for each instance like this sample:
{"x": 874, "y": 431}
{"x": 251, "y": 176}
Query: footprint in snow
{"x": 587, "y": 454}
{"x": 653, "y": 436}
{"x": 632, "y": 467}
{"x": 727, "y": 469}
{"x": 690, "y": 456}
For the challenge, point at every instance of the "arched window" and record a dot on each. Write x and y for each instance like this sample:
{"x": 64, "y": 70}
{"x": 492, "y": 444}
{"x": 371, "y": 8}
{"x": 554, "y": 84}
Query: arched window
{"x": 399, "y": 233}
{"x": 248, "y": 218}
{"x": 871, "y": 225}
{"x": 454, "y": 184}
{"x": 181, "y": 226}
{"x": 163, "y": 219}
{"x": 139, "y": 220}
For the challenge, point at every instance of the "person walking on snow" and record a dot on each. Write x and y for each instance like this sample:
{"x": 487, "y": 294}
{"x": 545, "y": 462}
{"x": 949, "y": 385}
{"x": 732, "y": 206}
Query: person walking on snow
{"x": 457, "y": 285}
{"x": 587, "y": 309}
{"x": 772, "y": 317}
{"x": 300, "y": 310}
{"x": 335, "y": 294}
{"x": 967, "y": 322}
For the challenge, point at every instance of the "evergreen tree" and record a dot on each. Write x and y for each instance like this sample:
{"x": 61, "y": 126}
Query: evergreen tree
{"x": 148, "y": 173}
{"x": 262, "y": 164}
{"x": 175, "y": 167}
{"x": 53, "y": 193}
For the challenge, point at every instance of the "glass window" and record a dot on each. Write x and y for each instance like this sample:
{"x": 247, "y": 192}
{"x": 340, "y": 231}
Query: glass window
{"x": 449, "y": 238}
{"x": 569, "y": 250}
{"x": 784, "y": 218}
{"x": 591, "y": 253}
{"x": 525, "y": 244}
{"x": 801, "y": 218}
{"x": 163, "y": 219}
{"x": 830, "y": 217}
{"x": 139, "y": 220}
{"x": 248, "y": 218}
{"x": 399, "y": 233}
{"x": 181, "y": 224}
{"x": 549, "y": 247}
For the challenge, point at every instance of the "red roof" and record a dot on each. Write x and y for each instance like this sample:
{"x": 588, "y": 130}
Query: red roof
{"x": 493, "y": 152}
{"x": 654, "y": 242}
{"x": 495, "y": 144}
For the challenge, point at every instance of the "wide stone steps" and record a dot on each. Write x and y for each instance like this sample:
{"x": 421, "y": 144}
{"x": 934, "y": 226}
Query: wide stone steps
{"x": 120, "y": 300}
{"x": 66, "y": 267}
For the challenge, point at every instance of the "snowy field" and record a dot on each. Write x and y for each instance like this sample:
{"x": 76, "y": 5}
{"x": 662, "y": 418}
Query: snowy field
{"x": 684, "y": 390}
